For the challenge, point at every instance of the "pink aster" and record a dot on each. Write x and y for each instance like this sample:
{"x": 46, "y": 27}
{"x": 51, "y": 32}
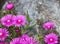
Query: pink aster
{"x": 3, "y": 34}
{"x": 48, "y": 25}
{"x": 24, "y": 39}
{"x": 20, "y": 20}
{"x": 8, "y": 20}
{"x": 9, "y": 6}
{"x": 51, "y": 38}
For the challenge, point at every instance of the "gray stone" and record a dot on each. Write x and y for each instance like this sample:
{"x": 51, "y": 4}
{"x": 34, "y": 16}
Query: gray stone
{"x": 41, "y": 9}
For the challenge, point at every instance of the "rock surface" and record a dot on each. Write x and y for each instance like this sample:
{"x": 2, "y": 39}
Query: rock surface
{"x": 41, "y": 9}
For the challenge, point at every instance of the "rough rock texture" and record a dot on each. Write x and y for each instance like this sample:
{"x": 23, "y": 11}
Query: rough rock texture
{"x": 41, "y": 9}
{"x": 2, "y": 2}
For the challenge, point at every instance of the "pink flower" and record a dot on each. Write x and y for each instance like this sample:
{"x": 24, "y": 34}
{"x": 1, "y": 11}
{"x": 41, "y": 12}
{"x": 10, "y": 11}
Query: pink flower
{"x": 3, "y": 34}
{"x": 3, "y": 42}
{"x": 20, "y": 20}
{"x": 10, "y": 6}
{"x": 15, "y": 41}
{"x": 8, "y": 20}
{"x": 17, "y": 30}
{"x": 48, "y": 25}
{"x": 24, "y": 39}
{"x": 51, "y": 38}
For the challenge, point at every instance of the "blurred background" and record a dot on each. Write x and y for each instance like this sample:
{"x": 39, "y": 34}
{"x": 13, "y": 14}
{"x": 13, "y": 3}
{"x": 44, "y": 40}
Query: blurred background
{"x": 43, "y": 10}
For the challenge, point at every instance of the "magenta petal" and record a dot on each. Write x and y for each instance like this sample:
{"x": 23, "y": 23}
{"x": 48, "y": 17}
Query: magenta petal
{"x": 48, "y": 25}
{"x": 24, "y": 39}
{"x": 51, "y": 36}
{"x": 3, "y": 34}
{"x": 10, "y": 6}
{"x": 20, "y": 20}
{"x": 8, "y": 20}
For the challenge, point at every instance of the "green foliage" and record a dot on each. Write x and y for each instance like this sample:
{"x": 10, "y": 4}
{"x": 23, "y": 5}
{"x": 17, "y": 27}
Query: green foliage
{"x": 28, "y": 17}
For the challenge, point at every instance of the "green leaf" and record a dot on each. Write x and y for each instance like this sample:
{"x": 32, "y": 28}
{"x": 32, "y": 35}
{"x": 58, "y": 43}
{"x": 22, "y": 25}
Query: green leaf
{"x": 0, "y": 25}
{"x": 8, "y": 38}
{"x": 31, "y": 26}
{"x": 39, "y": 36}
{"x": 13, "y": 34}
{"x": 27, "y": 16}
